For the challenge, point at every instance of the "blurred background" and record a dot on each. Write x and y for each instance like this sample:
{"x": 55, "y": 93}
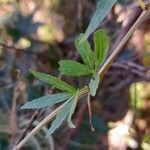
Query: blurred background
{"x": 37, "y": 34}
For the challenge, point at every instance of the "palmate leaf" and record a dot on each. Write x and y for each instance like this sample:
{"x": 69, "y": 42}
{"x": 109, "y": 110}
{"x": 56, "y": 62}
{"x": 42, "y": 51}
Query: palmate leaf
{"x": 67, "y": 110}
{"x": 103, "y": 8}
{"x": 57, "y": 83}
{"x": 85, "y": 52}
{"x": 61, "y": 116}
{"x": 72, "y": 68}
{"x": 101, "y": 43}
{"x": 93, "y": 85}
{"x": 46, "y": 101}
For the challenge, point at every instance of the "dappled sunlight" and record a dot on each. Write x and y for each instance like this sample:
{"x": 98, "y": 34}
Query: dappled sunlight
{"x": 118, "y": 136}
{"x": 77, "y": 69}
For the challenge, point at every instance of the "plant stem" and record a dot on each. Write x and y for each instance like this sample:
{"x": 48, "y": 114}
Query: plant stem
{"x": 82, "y": 93}
{"x": 85, "y": 90}
{"x": 13, "y": 118}
{"x": 37, "y": 128}
{"x": 118, "y": 49}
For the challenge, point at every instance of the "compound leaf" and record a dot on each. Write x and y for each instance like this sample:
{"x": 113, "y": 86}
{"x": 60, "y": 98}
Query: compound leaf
{"x": 61, "y": 116}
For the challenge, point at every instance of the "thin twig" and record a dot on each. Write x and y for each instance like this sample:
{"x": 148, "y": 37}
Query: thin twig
{"x": 7, "y": 84}
{"x": 35, "y": 115}
{"x": 134, "y": 17}
{"x": 90, "y": 112}
{"x": 118, "y": 49}
{"x": 38, "y": 127}
{"x": 13, "y": 123}
{"x": 46, "y": 120}
{"x": 101, "y": 72}
{"x": 13, "y": 118}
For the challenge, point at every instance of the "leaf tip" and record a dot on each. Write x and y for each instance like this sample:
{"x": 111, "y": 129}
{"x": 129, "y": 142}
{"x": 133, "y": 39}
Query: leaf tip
{"x": 27, "y": 106}
{"x": 32, "y": 71}
{"x": 72, "y": 126}
{"x": 23, "y": 107}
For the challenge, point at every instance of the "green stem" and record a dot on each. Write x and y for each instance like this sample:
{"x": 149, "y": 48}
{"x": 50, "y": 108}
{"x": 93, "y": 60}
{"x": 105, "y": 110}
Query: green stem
{"x": 85, "y": 90}
{"x": 118, "y": 49}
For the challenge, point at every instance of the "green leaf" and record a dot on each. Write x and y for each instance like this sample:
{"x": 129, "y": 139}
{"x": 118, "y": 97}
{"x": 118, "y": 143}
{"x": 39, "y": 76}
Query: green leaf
{"x": 85, "y": 51}
{"x": 103, "y": 8}
{"x": 72, "y": 109}
{"x": 61, "y": 116}
{"x": 57, "y": 83}
{"x": 72, "y": 68}
{"x": 46, "y": 101}
{"x": 93, "y": 85}
{"x": 101, "y": 43}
